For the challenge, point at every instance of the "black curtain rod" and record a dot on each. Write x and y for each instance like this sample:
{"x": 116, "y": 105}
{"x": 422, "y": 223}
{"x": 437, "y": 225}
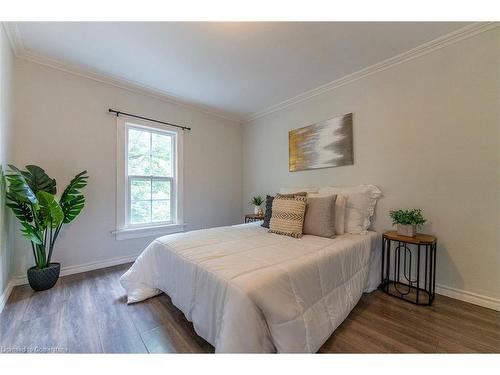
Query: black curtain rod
{"x": 118, "y": 113}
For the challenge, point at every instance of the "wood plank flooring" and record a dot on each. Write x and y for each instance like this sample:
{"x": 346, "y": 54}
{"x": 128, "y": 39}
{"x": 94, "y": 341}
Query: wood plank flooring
{"x": 87, "y": 313}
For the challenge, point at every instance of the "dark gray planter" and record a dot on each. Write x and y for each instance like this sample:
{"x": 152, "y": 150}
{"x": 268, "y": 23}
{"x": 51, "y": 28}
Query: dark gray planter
{"x": 45, "y": 278}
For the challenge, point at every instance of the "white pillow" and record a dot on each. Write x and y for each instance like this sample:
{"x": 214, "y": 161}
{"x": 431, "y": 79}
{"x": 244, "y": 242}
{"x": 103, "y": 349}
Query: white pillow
{"x": 340, "y": 213}
{"x": 360, "y": 205}
{"x": 298, "y": 190}
{"x": 340, "y": 209}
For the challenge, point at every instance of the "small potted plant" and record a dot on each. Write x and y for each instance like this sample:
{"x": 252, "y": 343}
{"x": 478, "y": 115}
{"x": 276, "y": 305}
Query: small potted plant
{"x": 257, "y": 203}
{"x": 407, "y": 221}
{"x": 31, "y": 196}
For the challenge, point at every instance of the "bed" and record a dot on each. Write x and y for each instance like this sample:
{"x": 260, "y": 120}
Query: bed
{"x": 250, "y": 291}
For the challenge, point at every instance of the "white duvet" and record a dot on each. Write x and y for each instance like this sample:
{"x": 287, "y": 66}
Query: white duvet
{"x": 250, "y": 291}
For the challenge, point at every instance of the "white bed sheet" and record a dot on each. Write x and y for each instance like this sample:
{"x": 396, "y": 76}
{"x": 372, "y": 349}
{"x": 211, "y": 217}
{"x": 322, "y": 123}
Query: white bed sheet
{"x": 250, "y": 291}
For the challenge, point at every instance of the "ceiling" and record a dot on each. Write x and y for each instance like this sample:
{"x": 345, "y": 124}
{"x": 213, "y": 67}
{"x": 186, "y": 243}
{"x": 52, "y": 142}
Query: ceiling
{"x": 235, "y": 69}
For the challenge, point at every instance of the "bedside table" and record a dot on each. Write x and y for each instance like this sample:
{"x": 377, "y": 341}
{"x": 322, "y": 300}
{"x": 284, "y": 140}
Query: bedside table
{"x": 409, "y": 272}
{"x": 249, "y": 218}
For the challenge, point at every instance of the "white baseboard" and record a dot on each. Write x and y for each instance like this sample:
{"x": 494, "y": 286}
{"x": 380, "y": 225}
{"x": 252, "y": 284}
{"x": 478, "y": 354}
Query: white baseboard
{"x": 69, "y": 270}
{"x": 474, "y": 298}
{"x": 5, "y": 294}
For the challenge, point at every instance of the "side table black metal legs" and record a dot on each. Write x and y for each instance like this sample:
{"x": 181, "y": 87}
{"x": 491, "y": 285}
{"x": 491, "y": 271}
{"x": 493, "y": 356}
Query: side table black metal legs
{"x": 408, "y": 273}
{"x": 250, "y": 218}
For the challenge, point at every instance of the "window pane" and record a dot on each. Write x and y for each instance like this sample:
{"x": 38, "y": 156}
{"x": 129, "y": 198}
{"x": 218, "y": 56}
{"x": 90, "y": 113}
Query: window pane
{"x": 161, "y": 161}
{"x": 161, "y": 189}
{"x": 161, "y": 210}
{"x": 140, "y": 189}
{"x": 140, "y": 201}
{"x": 139, "y": 160}
{"x": 140, "y": 212}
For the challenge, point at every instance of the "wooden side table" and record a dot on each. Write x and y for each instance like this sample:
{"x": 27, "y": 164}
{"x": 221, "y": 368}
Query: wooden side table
{"x": 404, "y": 279}
{"x": 249, "y": 218}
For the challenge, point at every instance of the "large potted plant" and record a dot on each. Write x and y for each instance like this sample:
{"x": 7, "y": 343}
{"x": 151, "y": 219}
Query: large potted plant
{"x": 407, "y": 221}
{"x": 31, "y": 196}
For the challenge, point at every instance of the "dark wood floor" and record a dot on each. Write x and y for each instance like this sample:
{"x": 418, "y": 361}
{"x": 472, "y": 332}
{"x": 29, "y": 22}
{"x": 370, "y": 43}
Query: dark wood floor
{"x": 87, "y": 313}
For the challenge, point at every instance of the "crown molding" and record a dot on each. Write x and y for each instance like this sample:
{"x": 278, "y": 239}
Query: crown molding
{"x": 15, "y": 39}
{"x": 23, "y": 53}
{"x": 423, "y": 49}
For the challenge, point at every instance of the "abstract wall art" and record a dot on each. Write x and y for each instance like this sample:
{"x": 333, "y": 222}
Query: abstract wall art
{"x": 322, "y": 145}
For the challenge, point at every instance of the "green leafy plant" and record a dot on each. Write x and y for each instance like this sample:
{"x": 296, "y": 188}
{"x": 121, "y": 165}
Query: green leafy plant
{"x": 256, "y": 201}
{"x": 411, "y": 216}
{"x": 31, "y": 197}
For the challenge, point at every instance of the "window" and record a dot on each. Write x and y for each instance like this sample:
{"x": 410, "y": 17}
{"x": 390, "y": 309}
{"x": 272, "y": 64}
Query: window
{"x": 149, "y": 179}
{"x": 150, "y": 157}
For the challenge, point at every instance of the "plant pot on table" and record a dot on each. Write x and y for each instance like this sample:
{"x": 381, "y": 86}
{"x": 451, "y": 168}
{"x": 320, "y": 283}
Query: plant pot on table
{"x": 407, "y": 230}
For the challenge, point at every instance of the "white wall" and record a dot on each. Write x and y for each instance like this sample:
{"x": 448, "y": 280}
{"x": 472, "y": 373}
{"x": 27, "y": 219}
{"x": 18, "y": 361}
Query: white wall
{"x": 62, "y": 124}
{"x": 427, "y": 133}
{"x": 6, "y": 58}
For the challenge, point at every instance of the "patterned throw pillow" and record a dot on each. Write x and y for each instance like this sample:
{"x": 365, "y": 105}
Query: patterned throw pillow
{"x": 287, "y": 216}
{"x": 269, "y": 206}
{"x": 292, "y": 195}
{"x": 269, "y": 210}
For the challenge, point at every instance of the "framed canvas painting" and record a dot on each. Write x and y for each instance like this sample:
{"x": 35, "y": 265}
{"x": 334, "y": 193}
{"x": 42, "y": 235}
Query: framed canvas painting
{"x": 322, "y": 145}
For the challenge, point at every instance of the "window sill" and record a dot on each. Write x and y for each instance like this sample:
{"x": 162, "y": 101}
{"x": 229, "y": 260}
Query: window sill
{"x": 157, "y": 231}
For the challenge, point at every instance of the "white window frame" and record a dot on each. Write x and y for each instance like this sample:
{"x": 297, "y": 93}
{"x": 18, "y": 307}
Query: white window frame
{"x": 124, "y": 230}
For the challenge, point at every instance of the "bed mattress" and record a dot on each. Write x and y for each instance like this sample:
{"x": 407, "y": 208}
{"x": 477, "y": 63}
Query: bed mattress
{"x": 250, "y": 291}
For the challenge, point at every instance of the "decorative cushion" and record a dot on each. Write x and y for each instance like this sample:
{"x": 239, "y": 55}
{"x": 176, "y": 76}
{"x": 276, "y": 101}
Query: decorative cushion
{"x": 361, "y": 201}
{"x": 287, "y": 217}
{"x": 320, "y": 216}
{"x": 292, "y": 195}
{"x": 269, "y": 210}
{"x": 340, "y": 208}
{"x": 269, "y": 205}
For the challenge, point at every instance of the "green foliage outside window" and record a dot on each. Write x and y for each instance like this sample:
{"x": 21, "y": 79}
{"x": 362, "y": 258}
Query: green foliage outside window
{"x": 150, "y": 169}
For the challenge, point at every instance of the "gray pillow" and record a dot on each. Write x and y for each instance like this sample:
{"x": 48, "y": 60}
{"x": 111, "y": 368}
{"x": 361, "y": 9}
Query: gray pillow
{"x": 320, "y": 216}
